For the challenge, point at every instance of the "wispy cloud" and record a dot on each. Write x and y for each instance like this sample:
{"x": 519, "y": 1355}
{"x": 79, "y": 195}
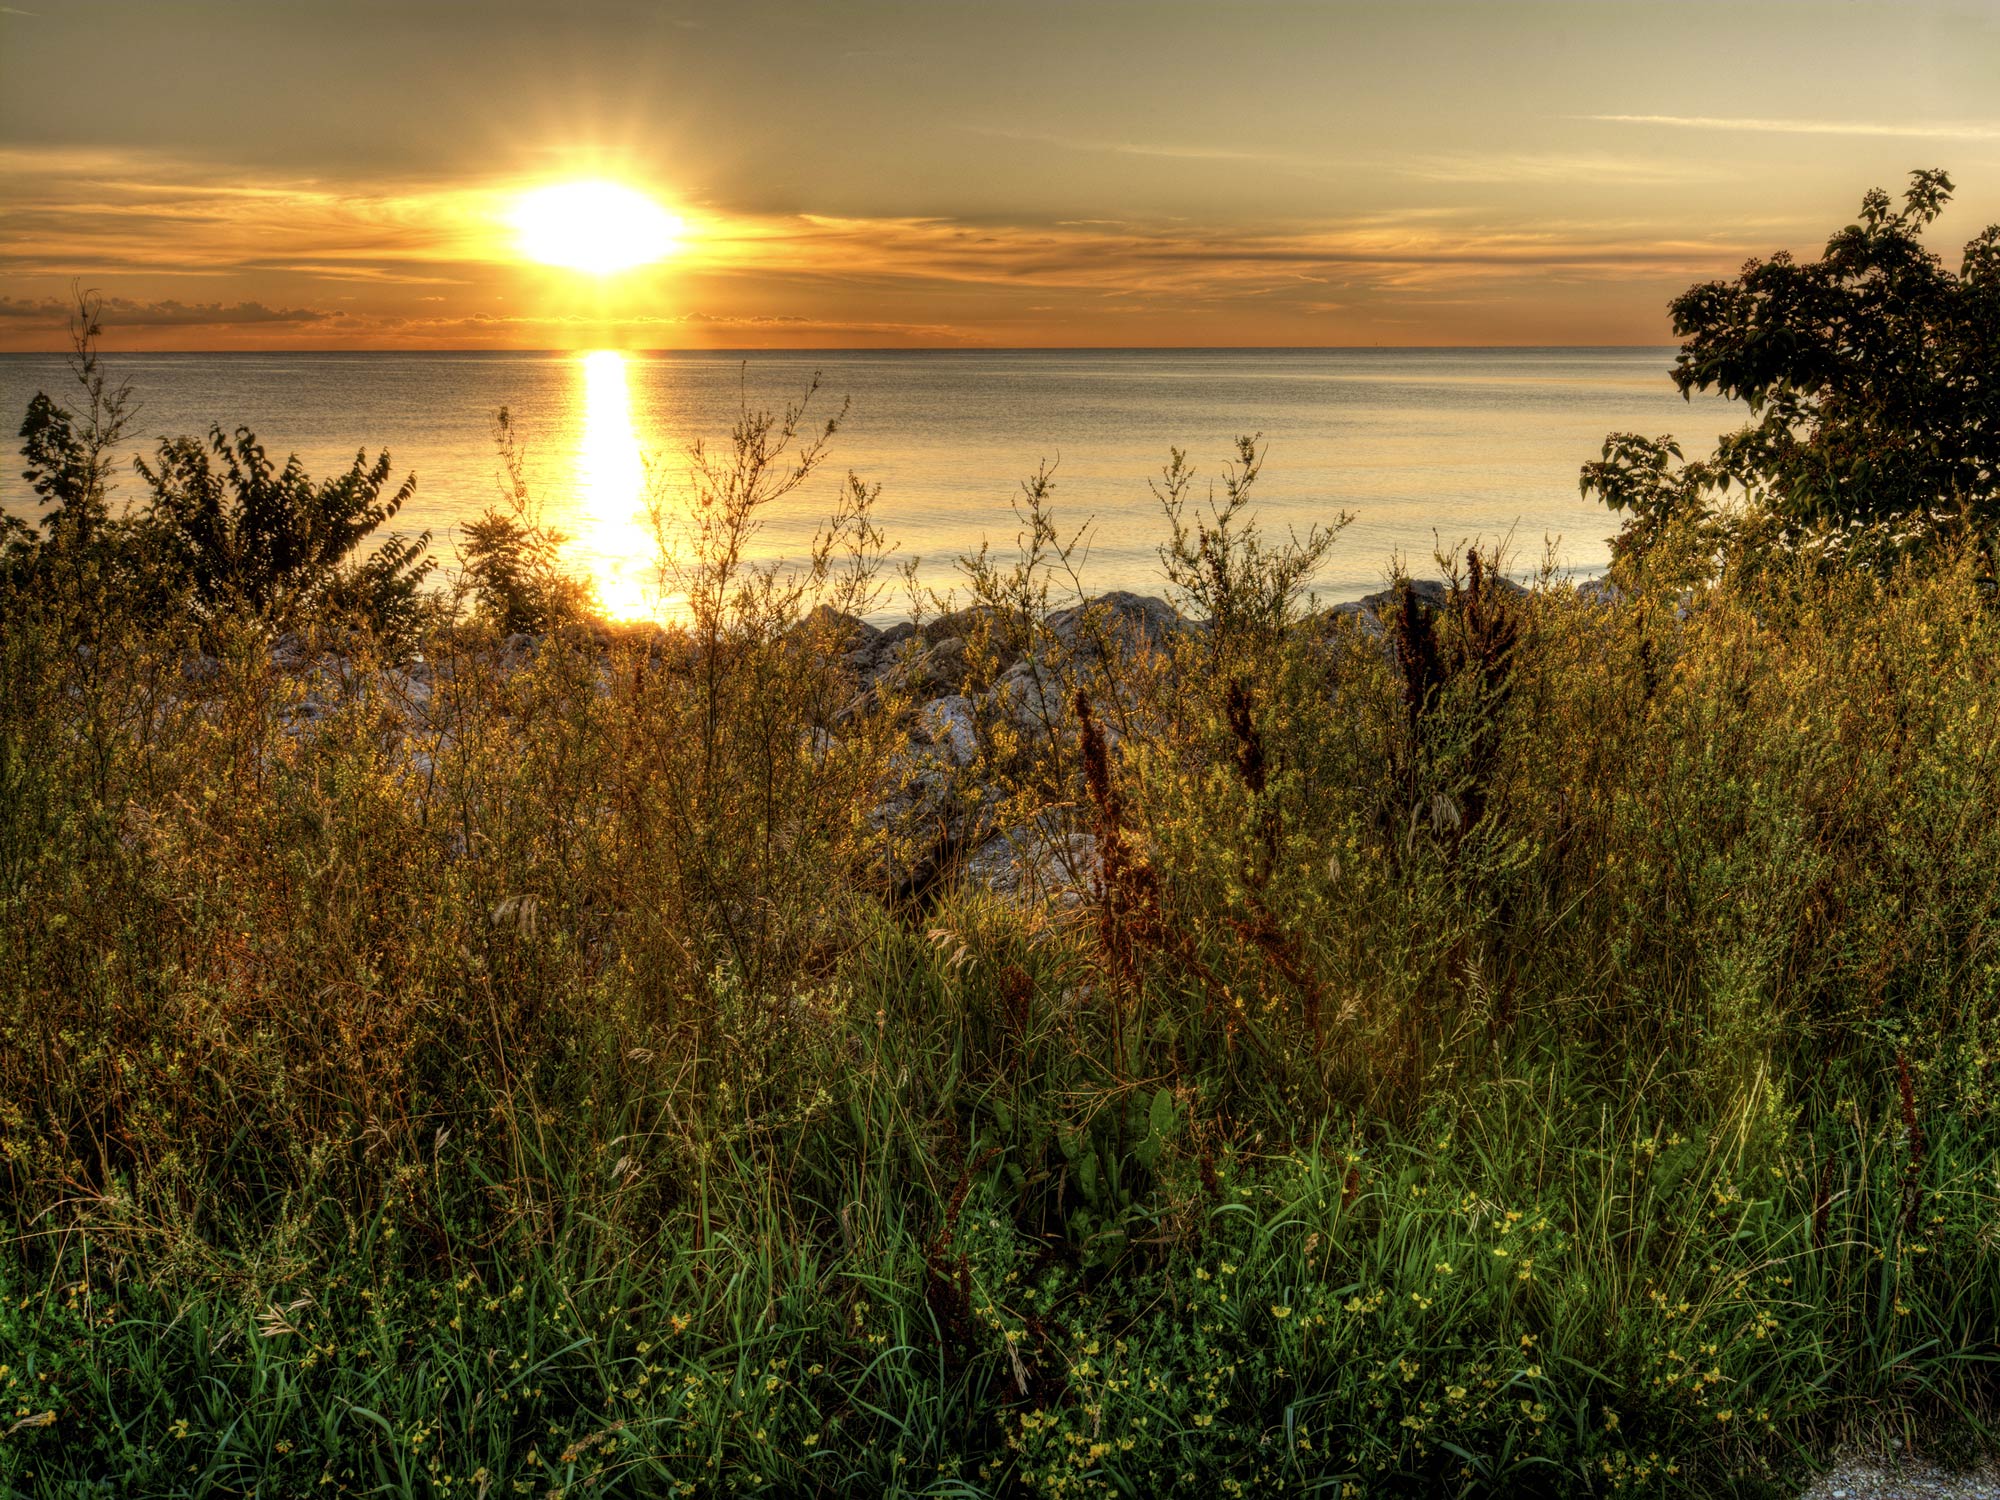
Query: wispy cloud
{"x": 138, "y": 212}
{"x": 1179, "y": 260}
{"x": 125, "y": 312}
{"x": 1519, "y": 167}
{"x": 531, "y": 330}
{"x": 1939, "y": 130}
{"x": 107, "y": 217}
{"x": 1165, "y": 150}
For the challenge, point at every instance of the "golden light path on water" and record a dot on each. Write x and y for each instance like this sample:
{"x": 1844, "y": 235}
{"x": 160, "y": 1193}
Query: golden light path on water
{"x": 610, "y": 531}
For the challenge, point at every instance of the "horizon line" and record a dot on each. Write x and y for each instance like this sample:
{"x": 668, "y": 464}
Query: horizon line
{"x": 869, "y": 349}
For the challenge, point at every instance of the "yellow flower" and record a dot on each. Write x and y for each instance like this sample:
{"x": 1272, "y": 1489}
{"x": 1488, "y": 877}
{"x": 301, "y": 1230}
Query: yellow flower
{"x": 1281, "y": 1312}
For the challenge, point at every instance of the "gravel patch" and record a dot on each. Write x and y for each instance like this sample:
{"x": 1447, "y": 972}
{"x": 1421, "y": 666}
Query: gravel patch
{"x": 1855, "y": 1478}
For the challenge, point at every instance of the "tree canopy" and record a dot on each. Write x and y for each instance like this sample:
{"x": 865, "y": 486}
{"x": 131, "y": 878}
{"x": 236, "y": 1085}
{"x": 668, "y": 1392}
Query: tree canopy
{"x": 1873, "y": 380}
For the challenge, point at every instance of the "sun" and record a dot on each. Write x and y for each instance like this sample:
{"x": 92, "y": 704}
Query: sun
{"x": 600, "y": 227}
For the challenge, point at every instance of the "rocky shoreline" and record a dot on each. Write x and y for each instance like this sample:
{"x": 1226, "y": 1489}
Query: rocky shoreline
{"x": 956, "y": 683}
{"x": 949, "y": 827}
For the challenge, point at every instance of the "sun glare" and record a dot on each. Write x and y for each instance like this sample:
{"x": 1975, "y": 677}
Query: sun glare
{"x": 600, "y": 227}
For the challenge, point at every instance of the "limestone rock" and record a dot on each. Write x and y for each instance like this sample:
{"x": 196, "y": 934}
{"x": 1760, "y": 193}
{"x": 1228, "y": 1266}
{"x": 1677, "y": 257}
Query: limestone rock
{"x": 1123, "y": 617}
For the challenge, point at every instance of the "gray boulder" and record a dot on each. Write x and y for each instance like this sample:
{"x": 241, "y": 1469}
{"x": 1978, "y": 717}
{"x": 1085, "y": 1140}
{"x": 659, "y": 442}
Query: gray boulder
{"x": 1038, "y": 860}
{"x": 950, "y": 724}
{"x": 1120, "y": 617}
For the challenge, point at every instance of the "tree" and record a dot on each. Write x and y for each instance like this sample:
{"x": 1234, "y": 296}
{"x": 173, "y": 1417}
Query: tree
{"x": 254, "y": 537}
{"x": 1873, "y": 378}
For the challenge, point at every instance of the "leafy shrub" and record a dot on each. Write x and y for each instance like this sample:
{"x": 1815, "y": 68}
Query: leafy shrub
{"x": 511, "y": 564}
{"x": 248, "y": 538}
{"x": 252, "y": 537}
{"x": 1874, "y": 422}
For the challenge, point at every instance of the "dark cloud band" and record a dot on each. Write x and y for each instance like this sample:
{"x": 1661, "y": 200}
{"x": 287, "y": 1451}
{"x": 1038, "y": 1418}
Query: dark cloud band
{"x": 121, "y": 311}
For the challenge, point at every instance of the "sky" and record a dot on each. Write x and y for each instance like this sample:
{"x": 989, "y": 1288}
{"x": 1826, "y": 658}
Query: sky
{"x": 933, "y": 173}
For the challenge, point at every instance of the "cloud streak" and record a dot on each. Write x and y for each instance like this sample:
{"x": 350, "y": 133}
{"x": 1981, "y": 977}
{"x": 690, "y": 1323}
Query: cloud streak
{"x": 1958, "y": 130}
{"x": 124, "y": 312}
{"x": 1166, "y": 152}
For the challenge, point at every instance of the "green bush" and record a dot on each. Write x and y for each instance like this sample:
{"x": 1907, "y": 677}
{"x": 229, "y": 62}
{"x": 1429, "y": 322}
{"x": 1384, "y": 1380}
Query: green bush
{"x": 1865, "y": 371}
{"x": 211, "y": 545}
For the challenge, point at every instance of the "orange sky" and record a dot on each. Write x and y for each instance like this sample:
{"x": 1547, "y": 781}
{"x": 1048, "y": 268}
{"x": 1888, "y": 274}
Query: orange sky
{"x": 244, "y": 174}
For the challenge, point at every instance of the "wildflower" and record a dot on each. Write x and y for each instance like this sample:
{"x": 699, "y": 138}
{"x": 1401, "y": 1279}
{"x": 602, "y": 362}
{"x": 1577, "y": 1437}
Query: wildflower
{"x": 1280, "y": 1313}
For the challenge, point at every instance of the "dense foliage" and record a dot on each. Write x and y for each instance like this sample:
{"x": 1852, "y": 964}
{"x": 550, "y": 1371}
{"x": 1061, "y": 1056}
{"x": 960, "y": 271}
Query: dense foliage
{"x": 1870, "y": 375}
{"x": 225, "y": 534}
{"x": 511, "y": 1076}
{"x": 248, "y": 536}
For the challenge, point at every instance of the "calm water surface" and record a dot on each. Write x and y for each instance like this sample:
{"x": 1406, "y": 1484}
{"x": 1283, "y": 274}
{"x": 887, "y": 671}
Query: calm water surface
{"x": 1421, "y": 445}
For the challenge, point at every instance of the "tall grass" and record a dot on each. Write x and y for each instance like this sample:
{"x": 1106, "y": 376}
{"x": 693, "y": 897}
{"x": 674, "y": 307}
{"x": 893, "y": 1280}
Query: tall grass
{"x": 1546, "y": 1051}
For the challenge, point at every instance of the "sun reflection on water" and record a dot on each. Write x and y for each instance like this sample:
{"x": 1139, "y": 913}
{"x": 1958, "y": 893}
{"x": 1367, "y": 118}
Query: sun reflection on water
{"x": 611, "y": 535}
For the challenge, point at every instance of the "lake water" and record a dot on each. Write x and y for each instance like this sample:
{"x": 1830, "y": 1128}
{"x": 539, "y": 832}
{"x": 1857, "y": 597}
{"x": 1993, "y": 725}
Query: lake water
{"x": 1422, "y": 446}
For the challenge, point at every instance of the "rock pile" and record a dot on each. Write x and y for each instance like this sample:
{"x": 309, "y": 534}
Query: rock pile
{"x": 971, "y": 689}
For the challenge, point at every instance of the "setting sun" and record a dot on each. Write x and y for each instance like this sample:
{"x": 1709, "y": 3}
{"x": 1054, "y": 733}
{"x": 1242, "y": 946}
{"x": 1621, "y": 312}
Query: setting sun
{"x": 598, "y": 227}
